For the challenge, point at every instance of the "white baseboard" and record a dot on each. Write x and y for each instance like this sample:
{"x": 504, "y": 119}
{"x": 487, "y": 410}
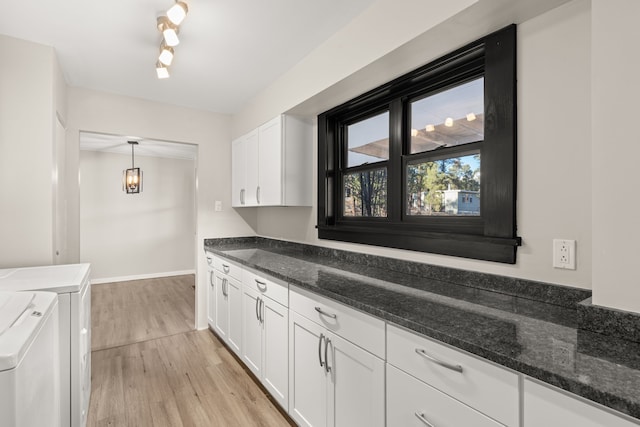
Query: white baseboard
{"x": 141, "y": 277}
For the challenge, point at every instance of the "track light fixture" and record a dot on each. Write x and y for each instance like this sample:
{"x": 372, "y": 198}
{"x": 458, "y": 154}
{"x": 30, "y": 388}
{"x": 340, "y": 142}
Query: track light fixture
{"x": 168, "y": 25}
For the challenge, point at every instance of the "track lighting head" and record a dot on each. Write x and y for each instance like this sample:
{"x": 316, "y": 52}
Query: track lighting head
{"x": 177, "y": 12}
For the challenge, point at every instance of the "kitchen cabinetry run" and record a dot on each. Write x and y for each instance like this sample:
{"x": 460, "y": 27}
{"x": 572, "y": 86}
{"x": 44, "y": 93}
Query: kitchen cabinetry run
{"x": 265, "y": 333}
{"x": 544, "y": 406}
{"x": 451, "y": 379}
{"x": 336, "y": 366}
{"x": 271, "y": 166}
{"x": 225, "y": 303}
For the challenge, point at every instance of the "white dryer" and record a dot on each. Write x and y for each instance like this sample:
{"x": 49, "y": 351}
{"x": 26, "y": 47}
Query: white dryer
{"x": 29, "y": 364}
{"x": 71, "y": 283}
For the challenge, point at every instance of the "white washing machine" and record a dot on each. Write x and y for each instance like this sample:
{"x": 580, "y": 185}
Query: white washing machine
{"x": 29, "y": 363}
{"x": 71, "y": 283}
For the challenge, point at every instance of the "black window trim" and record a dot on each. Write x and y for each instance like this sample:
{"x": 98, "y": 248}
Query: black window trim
{"x": 492, "y": 236}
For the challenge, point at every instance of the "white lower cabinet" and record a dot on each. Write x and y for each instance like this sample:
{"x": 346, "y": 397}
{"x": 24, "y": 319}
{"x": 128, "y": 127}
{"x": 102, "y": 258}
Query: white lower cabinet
{"x": 265, "y": 342}
{"x": 487, "y": 388}
{"x": 412, "y": 403}
{"x": 228, "y": 310}
{"x": 332, "y": 382}
{"x": 544, "y": 406}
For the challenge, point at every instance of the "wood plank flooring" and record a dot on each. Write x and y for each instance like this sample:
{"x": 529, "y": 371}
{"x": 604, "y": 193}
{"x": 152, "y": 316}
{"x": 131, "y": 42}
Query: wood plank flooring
{"x": 185, "y": 378}
{"x": 138, "y": 310}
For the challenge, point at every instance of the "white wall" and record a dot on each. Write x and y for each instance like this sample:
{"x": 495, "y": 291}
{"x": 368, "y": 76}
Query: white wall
{"x": 554, "y": 105}
{"x": 120, "y": 115}
{"x": 616, "y": 153}
{"x": 128, "y": 235}
{"x": 27, "y": 111}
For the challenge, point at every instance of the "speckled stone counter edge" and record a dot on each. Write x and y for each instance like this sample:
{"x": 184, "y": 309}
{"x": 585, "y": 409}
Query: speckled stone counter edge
{"x": 539, "y": 291}
{"x": 609, "y": 321}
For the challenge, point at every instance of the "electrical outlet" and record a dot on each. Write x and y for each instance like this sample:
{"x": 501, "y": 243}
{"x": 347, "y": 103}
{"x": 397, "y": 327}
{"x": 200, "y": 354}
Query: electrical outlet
{"x": 564, "y": 254}
{"x": 218, "y": 206}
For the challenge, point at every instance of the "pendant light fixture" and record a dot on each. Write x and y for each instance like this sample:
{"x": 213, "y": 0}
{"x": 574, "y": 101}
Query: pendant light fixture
{"x": 132, "y": 178}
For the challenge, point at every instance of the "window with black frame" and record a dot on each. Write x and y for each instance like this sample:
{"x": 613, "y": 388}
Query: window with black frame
{"x": 427, "y": 162}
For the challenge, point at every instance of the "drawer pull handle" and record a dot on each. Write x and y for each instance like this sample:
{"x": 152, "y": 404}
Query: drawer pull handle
{"x": 225, "y": 267}
{"x": 261, "y": 285}
{"x": 324, "y": 313}
{"x": 422, "y": 353}
{"x": 209, "y": 260}
{"x": 421, "y": 417}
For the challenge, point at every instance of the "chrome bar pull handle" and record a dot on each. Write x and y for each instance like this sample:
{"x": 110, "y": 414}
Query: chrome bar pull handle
{"x": 211, "y": 278}
{"x": 422, "y": 353}
{"x": 257, "y": 304}
{"x": 326, "y": 361}
{"x": 224, "y": 287}
{"x": 261, "y": 310}
{"x": 421, "y": 417}
{"x": 261, "y": 285}
{"x": 242, "y": 196}
{"x": 258, "y": 194}
{"x": 320, "y": 349}
{"x": 324, "y": 313}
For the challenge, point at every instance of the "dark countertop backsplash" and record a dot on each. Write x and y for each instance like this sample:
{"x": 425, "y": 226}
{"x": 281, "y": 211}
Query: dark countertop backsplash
{"x": 528, "y": 326}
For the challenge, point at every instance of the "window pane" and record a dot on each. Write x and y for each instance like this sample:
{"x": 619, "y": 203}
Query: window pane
{"x": 365, "y": 193}
{"x": 444, "y": 187}
{"x": 449, "y": 118}
{"x": 368, "y": 140}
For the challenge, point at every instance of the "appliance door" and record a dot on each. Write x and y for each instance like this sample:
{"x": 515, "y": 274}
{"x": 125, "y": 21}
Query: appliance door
{"x": 29, "y": 374}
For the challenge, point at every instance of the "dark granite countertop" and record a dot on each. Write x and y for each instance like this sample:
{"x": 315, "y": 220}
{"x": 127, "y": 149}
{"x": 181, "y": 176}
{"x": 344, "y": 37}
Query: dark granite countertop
{"x": 526, "y": 326}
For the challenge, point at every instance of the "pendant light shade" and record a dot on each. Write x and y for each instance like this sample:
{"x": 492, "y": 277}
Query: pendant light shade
{"x": 132, "y": 177}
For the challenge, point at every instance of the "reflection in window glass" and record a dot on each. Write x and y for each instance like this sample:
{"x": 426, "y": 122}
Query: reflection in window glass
{"x": 444, "y": 187}
{"x": 449, "y": 118}
{"x": 368, "y": 140}
{"x": 365, "y": 193}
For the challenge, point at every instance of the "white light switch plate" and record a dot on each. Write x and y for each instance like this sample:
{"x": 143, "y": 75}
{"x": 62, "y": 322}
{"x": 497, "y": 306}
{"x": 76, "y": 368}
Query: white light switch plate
{"x": 218, "y": 206}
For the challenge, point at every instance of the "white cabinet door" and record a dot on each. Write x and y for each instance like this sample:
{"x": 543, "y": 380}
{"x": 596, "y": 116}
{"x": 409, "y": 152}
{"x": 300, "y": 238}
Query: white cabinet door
{"x": 356, "y": 389}
{"x": 275, "y": 354}
{"x": 252, "y": 331}
{"x": 544, "y": 406}
{"x": 221, "y": 307}
{"x": 238, "y": 161}
{"x": 234, "y": 307}
{"x": 307, "y": 379}
{"x": 211, "y": 298}
{"x": 251, "y": 168}
{"x": 270, "y": 169}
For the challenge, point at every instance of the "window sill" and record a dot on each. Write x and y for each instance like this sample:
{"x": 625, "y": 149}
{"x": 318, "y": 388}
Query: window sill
{"x": 461, "y": 245}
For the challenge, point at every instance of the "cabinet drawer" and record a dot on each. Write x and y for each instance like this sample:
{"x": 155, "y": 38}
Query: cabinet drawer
{"x": 546, "y": 406}
{"x": 270, "y": 287}
{"x": 488, "y": 388}
{"x": 359, "y": 328}
{"x": 210, "y": 258}
{"x": 227, "y": 267}
{"x": 412, "y": 403}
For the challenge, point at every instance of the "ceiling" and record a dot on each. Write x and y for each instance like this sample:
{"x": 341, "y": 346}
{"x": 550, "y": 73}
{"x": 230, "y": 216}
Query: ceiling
{"x": 229, "y": 50}
{"x": 90, "y": 141}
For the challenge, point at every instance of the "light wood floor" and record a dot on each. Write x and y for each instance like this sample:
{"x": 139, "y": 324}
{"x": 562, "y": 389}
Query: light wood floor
{"x": 183, "y": 378}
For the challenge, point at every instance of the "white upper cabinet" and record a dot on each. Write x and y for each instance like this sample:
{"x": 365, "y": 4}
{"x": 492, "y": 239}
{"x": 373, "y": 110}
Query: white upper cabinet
{"x": 271, "y": 166}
